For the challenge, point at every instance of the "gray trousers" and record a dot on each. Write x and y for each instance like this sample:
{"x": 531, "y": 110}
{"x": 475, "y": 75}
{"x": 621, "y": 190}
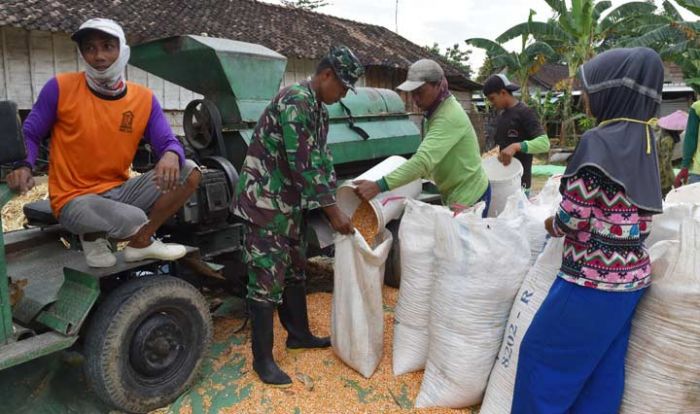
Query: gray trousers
{"x": 119, "y": 212}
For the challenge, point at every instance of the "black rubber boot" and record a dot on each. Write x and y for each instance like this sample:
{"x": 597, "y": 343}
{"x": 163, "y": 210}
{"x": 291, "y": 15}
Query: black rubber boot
{"x": 294, "y": 318}
{"x": 261, "y": 317}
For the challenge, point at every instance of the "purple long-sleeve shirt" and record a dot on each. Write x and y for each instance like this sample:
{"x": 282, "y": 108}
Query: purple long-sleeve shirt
{"x": 42, "y": 117}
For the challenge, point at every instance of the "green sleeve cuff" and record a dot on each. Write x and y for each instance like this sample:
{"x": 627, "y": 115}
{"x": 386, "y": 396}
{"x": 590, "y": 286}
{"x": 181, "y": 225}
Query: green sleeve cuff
{"x": 537, "y": 145}
{"x": 383, "y": 185}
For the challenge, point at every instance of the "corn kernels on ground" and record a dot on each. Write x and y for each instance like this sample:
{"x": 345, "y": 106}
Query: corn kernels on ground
{"x": 231, "y": 386}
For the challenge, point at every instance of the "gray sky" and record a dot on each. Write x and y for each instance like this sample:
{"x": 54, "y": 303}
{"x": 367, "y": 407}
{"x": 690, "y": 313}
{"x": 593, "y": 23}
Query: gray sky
{"x": 445, "y": 21}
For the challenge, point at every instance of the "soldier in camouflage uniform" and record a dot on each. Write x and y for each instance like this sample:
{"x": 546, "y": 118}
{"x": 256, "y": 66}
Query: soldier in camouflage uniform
{"x": 288, "y": 171}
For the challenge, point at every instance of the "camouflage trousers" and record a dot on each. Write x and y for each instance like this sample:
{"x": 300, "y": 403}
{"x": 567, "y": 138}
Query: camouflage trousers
{"x": 272, "y": 261}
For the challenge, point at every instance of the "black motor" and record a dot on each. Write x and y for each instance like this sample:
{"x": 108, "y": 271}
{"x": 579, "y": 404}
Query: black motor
{"x": 210, "y": 203}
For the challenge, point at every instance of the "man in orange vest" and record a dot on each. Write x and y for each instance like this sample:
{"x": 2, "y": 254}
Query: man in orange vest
{"x": 96, "y": 119}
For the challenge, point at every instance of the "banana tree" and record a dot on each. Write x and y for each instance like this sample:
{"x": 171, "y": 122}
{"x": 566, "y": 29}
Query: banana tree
{"x": 676, "y": 39}
{"x": 520, "y": 65}
{"x": 577, "y": 32}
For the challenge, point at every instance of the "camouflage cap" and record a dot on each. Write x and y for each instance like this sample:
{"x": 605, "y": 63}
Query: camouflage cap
{"x": 346, "y": 65}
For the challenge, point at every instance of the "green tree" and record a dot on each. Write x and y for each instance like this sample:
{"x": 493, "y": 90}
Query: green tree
{"x": 455, "y": 56}
{"x": 485, "y": 70}
{"x": 578, "y": 31}
{"x": 520, "y": 65}
{"x": 305, "y": 4}
{"x": 676, "y": 39}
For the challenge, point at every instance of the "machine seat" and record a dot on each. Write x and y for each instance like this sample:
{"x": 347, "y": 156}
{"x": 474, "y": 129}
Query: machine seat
{"x": 39, "y": 213}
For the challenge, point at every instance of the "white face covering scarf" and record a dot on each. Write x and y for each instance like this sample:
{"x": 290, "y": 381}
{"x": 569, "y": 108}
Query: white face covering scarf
{"x": 111, "y": 81}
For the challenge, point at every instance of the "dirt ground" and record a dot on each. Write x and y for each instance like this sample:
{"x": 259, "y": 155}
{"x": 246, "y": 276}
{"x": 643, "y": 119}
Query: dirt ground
{"x": 322, "y": 382}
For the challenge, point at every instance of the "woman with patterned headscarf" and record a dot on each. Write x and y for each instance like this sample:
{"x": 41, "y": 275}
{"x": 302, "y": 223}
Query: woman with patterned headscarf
{"x": 572, "y": 358}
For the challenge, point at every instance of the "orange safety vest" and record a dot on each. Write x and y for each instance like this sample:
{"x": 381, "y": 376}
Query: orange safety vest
{"x": 94, "y": 140}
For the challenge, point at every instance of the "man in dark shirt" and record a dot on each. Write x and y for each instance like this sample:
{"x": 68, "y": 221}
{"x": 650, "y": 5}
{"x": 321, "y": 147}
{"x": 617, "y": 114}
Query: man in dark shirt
{"x": 519, "y": 133}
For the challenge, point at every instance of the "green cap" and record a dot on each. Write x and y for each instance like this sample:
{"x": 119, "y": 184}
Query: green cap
{"x": 346, "y": 65}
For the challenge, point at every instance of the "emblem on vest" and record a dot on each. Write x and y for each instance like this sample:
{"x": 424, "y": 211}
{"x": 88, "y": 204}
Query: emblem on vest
{"x": 127, "y": 121}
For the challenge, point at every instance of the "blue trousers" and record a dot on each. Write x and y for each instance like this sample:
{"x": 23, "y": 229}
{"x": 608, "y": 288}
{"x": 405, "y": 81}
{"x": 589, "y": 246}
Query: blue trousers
{"x": 572, "y": 358}
{"x": 486, "y": 198}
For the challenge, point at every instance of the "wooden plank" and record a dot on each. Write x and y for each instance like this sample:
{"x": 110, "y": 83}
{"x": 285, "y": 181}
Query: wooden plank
{"x": 175, "y": 121}
{"x": 19, "y": 87}
{"x": 42, "y": 60}
{"x": 156, "y": 85}
{"x": 309, "y": 68}
{"x": 298, "y": 70}
{"x": 186, "y": 96}
{"x": 65, "y": 53}
{"x": 136, "y": 75}
{"x": 288, "y": 79}
{"x": 291, "y": 65}
{"x": 171, "y": 96}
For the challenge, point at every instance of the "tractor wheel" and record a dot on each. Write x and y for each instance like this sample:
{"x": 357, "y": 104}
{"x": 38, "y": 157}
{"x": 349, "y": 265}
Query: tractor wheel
{"x": 146, "y": 342}
{"x": 392, "y": 269}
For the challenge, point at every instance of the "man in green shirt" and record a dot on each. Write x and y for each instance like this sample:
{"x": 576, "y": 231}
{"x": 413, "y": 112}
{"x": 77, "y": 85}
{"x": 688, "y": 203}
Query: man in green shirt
{"x": 449, "y": 153}
{"x": 690, "y": 166}
{"x": 518, "y": 129}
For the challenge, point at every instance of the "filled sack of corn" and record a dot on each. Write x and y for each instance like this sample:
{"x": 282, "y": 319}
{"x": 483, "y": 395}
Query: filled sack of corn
{"x": 667, "y": 225}
{"x": 418, "y": 271}
{"x": 481, "y": 264}
{"x": 535, "y": 211}
{"x": 538, "y": 281}
{"x": 663, "y": 357}
{"x": 357, "y": 314}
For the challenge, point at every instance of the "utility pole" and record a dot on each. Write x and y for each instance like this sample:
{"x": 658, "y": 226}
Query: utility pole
{"x": 396, "y": 17}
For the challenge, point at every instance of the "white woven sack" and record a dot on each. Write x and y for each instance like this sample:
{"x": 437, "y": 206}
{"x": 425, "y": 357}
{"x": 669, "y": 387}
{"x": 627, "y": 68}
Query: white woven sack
{"x": 357, "y": 314}
{"x": 481, "y": 265}
{"x": 412, "y": 312}
{"x": 663, "y": 358}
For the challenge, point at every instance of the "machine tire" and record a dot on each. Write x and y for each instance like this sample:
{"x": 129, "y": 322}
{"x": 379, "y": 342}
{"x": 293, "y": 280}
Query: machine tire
{"x": 392, "y": 269}
{"x": 146, "y": 342}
